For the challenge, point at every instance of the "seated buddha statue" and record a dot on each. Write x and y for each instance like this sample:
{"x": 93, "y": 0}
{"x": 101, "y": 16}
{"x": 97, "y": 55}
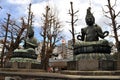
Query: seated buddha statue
{"x": 92, "y": 32}
{"x": 89, "y": 37}
{"x": 29, "y": 47}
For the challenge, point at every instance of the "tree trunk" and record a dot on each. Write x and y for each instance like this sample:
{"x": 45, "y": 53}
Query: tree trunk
{"x": 4, "y": 42}
{"x": 113, "y": 17}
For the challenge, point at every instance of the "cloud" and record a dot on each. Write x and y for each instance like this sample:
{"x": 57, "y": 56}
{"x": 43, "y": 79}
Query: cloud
{"x": 17, "y": 2}
{"x": 18, "y": 8}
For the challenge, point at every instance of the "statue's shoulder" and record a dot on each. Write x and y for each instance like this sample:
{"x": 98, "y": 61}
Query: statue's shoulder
{"x": 97, "y": 26}
{"x": 34, "y": 39}
{"x": 84, "y": 29}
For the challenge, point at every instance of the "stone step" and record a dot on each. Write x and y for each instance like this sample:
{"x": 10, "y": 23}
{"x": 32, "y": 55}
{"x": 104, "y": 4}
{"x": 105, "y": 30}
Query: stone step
{"x": 21, "y": 70}
{"x": 91, "y": 73}
{"x": 55, "y": 76}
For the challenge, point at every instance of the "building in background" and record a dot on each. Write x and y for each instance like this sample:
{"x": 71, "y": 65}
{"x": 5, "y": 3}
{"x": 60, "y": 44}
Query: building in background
{"x": 70, "y": 50}
{"x": 61, "y": 51}
{"x": 1, "y": 45}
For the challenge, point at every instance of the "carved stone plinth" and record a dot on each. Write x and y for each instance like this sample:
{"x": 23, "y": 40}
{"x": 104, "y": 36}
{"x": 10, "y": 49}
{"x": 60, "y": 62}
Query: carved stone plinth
{"x": 22, "y": 63}
{"x": 83, "y": 65}
{"x": 118, "y": 65}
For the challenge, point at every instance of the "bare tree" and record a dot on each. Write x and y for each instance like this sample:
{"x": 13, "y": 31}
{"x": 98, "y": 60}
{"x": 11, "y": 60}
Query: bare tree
{"x": 112, "y": 15}
{"x": 72, "y": 14}
{"x": 43, "y": 34}
{"x": 12, "y": 37}
{"x": 4, "y": 42}
{"x": 51, "y": 33}
{"x": 14, "y": 33}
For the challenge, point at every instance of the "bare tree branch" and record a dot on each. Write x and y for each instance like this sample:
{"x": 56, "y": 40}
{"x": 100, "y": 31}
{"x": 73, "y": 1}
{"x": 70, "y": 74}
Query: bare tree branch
{"x": 112, "y": 17}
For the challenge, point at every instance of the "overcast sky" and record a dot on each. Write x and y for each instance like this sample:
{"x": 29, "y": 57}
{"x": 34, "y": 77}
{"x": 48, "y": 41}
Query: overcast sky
{"x": 18, "y": 9}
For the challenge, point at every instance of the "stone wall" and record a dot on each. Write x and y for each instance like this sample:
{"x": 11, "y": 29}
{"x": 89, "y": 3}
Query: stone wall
{"x": 92, "y": 65}
{"x": 83, "y": 65}
{"x": 72, "y": 65}
{"x": 107, "y": 65}
{"x": 88, "y": 64}
{"x": 118, "y": 65}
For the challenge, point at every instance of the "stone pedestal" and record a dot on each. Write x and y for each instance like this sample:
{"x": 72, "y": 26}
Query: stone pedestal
{"x": 107, "y": 65}
{"x": 88, "y": 65}
{"x": 22, "y": 63}
{"x": 72, "y": 65}
{"x": 118, "y": 65}
{"x": 92, "y": 61}
{"x": 83, "y": 65}
{"x": 14, "y": 65}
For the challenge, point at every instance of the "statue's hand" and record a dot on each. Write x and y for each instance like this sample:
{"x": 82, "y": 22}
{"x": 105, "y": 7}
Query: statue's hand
{"x": 79, "y": 37}
{"x": 106, "y": 33}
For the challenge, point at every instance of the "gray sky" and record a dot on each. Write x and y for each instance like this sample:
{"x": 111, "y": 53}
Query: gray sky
{"x": 18, "y": 9}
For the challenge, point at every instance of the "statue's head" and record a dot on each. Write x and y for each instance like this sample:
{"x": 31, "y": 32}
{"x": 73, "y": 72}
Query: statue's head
{"x": 90, "y": 20}
{"x": 30, "y": 32}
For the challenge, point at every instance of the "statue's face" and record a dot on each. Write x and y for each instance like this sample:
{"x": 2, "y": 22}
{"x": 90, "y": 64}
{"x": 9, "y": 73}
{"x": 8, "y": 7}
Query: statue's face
{"x": 30, "y": 34}
{"x": 90, "y": 20}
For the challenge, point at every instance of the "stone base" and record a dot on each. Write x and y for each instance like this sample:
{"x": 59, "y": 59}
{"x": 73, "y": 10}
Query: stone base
{"x": 88, "y": 65}
{"x": 83, "y": 65}
{"x": 93, "y": 64}
{"x": 23, "y": 63}
{"x": 107, "y": 65}
{"x": 72, "y": 65}
{"x": 118, "y": 65}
